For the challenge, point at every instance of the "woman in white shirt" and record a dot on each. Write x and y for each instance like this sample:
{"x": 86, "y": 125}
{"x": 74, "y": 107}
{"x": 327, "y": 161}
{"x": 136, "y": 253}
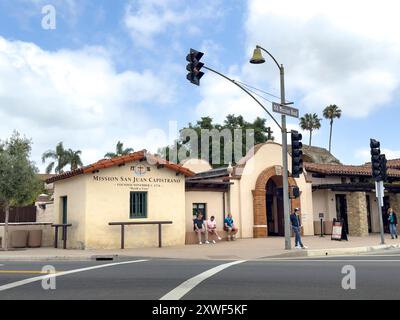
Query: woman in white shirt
{"x": 212, "y": 227}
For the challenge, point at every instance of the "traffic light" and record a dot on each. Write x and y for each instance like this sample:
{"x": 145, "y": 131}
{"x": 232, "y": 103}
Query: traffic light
{"x": 294, "y": 192}
{"x": 194, "y": 66}
{"x": 383, "y": 166}
{"x": 378, "y": 162}
{"x": 297, "y": 154}
{"x": 375, "y": 162}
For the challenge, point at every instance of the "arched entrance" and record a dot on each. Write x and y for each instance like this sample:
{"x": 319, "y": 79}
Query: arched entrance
{"x": 268, "y": 203}
{"x": 274, "y": 206}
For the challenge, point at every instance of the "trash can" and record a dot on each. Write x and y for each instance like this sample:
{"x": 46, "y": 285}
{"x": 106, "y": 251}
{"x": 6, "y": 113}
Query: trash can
{"x": 35, "y": 238}
{"x": 19, "y": 239}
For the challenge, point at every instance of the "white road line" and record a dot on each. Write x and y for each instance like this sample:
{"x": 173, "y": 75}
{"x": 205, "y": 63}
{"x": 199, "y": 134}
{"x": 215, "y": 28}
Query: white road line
{"x": 40, "y": 278}
{"x": 381, "y": 255}
{"x": 316, "y": 260}
{"x": 190, "y": 284}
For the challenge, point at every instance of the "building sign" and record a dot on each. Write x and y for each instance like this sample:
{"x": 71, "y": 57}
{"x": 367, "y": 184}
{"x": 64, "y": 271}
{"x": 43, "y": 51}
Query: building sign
{"x": 136, "y": 179}
{"x": 140, "y": 180}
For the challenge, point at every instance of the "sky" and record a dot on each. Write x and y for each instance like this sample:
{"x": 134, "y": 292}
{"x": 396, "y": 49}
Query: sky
{"x": 116, "y": 70}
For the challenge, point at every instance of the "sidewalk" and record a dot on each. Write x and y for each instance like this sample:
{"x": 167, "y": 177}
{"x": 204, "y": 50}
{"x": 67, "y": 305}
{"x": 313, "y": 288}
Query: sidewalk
{"x": 246, "y": 249}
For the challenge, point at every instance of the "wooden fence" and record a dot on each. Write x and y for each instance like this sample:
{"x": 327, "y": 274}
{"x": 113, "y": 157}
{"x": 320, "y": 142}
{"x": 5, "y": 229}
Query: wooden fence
{"x": 21, "y": 214}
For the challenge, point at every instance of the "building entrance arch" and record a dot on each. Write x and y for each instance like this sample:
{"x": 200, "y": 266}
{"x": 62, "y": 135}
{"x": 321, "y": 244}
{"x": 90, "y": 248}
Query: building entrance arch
{"x": 268, "y": 203}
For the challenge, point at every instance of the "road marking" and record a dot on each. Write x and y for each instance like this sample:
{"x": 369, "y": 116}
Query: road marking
{"x": 49, "y": 276}
{"x": 381, "y": 255}
{"x": 188, "y": 285}
{"x": 322, "y": 260}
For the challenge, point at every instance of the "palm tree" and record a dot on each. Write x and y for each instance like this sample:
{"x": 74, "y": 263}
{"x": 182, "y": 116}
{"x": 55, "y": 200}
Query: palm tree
{"x": 331, "y": 112}
{"x": 310, "y": 122}
{"x": 74, "y": 159}
{"x": 59, "y": 157}
{"x": 119, "y": 151}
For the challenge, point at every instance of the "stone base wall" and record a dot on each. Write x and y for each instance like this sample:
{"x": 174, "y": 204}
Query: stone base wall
{"x": 357, "y": 214}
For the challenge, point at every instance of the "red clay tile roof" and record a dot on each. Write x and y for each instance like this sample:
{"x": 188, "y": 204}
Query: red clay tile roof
{"x": 394, "y": 164}
{"x": 334, "y": 169}
{"x": 107, "y": 163}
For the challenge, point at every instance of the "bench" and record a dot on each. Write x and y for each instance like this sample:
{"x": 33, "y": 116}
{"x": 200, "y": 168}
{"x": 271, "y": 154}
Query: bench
{"x": 64, "y": 235}
{"x": 192, "y": 238}
{"x": 123, "y": 224}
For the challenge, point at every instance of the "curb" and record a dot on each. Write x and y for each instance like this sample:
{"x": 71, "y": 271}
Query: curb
{"x": 45, "y": 258}
{"x": 336, "y": 251}
{"x": 116, "y": 257}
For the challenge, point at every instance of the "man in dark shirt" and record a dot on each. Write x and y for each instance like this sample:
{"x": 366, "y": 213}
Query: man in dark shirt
{"x": 296, "y": 226}
{"x": 200, "y": 228}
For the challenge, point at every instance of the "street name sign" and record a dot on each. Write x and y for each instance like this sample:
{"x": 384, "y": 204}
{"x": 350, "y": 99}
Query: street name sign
{"x": 282, "y": 109}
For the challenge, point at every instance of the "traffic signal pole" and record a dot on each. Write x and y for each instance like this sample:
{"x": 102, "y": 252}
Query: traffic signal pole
{"x": 194, "y": 77}
{"x": 282, "y": 126}
{"x": 285, "y": 176}
{"x": 379, "y": 195}
{"x": 379, "y": 174}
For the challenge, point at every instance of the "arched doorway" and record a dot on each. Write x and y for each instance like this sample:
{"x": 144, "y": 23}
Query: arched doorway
{"x": 268, "y": 203}
{"x": 274, "y": 207}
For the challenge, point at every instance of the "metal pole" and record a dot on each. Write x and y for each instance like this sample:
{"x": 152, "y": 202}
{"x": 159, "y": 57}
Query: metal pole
{"x": 379, "y": 189}
{"x": 322, "y": 228}
{"x": 285, "y": 165}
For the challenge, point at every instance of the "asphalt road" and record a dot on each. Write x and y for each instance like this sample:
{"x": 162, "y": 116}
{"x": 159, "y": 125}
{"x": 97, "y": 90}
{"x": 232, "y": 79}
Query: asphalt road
{"x": 376, "y": 277}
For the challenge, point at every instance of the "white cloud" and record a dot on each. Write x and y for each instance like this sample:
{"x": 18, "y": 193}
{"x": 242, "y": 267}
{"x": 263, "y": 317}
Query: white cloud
{"x": 146, "y": 19}
{"x": 342, "y": 52}
{"x": 364, "y": 154}
{"x": 77, "y": 97}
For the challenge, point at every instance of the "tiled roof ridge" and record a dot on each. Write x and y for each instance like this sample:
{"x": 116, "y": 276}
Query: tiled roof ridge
{"x": 345, "y": 169}
{"x": 108, "y": 163}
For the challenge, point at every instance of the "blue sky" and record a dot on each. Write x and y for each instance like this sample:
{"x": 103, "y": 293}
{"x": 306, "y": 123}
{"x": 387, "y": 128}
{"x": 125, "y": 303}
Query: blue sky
{"x": 115, "y": 70}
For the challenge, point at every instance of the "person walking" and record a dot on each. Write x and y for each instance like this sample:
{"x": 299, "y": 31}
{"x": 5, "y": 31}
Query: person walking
{"x": 392, "y": 219}
{"x": 296, "y": 226}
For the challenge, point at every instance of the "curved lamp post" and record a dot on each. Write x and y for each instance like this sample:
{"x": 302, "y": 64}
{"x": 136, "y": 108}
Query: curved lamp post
{"x": 259, "y": 59}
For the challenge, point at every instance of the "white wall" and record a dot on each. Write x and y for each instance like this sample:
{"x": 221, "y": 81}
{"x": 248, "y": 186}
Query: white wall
{"x": 214, "y": 202}
{"x": 109, "y": 201}
{"x": 75, "y": 189}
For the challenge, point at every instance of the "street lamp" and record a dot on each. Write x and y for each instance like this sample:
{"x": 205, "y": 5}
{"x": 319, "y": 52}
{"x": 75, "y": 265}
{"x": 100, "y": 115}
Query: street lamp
{"x": 259, "y": 59}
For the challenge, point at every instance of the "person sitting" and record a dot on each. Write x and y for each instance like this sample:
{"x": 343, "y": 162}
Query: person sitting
{"x": 212, "y": 227}
{"x": 199, "y": 228}
{"x": 229, "y": 226}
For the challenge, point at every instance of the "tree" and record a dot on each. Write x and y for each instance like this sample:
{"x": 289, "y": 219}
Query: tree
{"x": 74, "y": 159}
{"x": 119, "y": 151}
{"x": 231, "y": 123}
{"x": 59, "y": 157}
{"x": 331, "y": 112}
{"x": 310, "y": 122}
{"x": 19, "y": 184}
